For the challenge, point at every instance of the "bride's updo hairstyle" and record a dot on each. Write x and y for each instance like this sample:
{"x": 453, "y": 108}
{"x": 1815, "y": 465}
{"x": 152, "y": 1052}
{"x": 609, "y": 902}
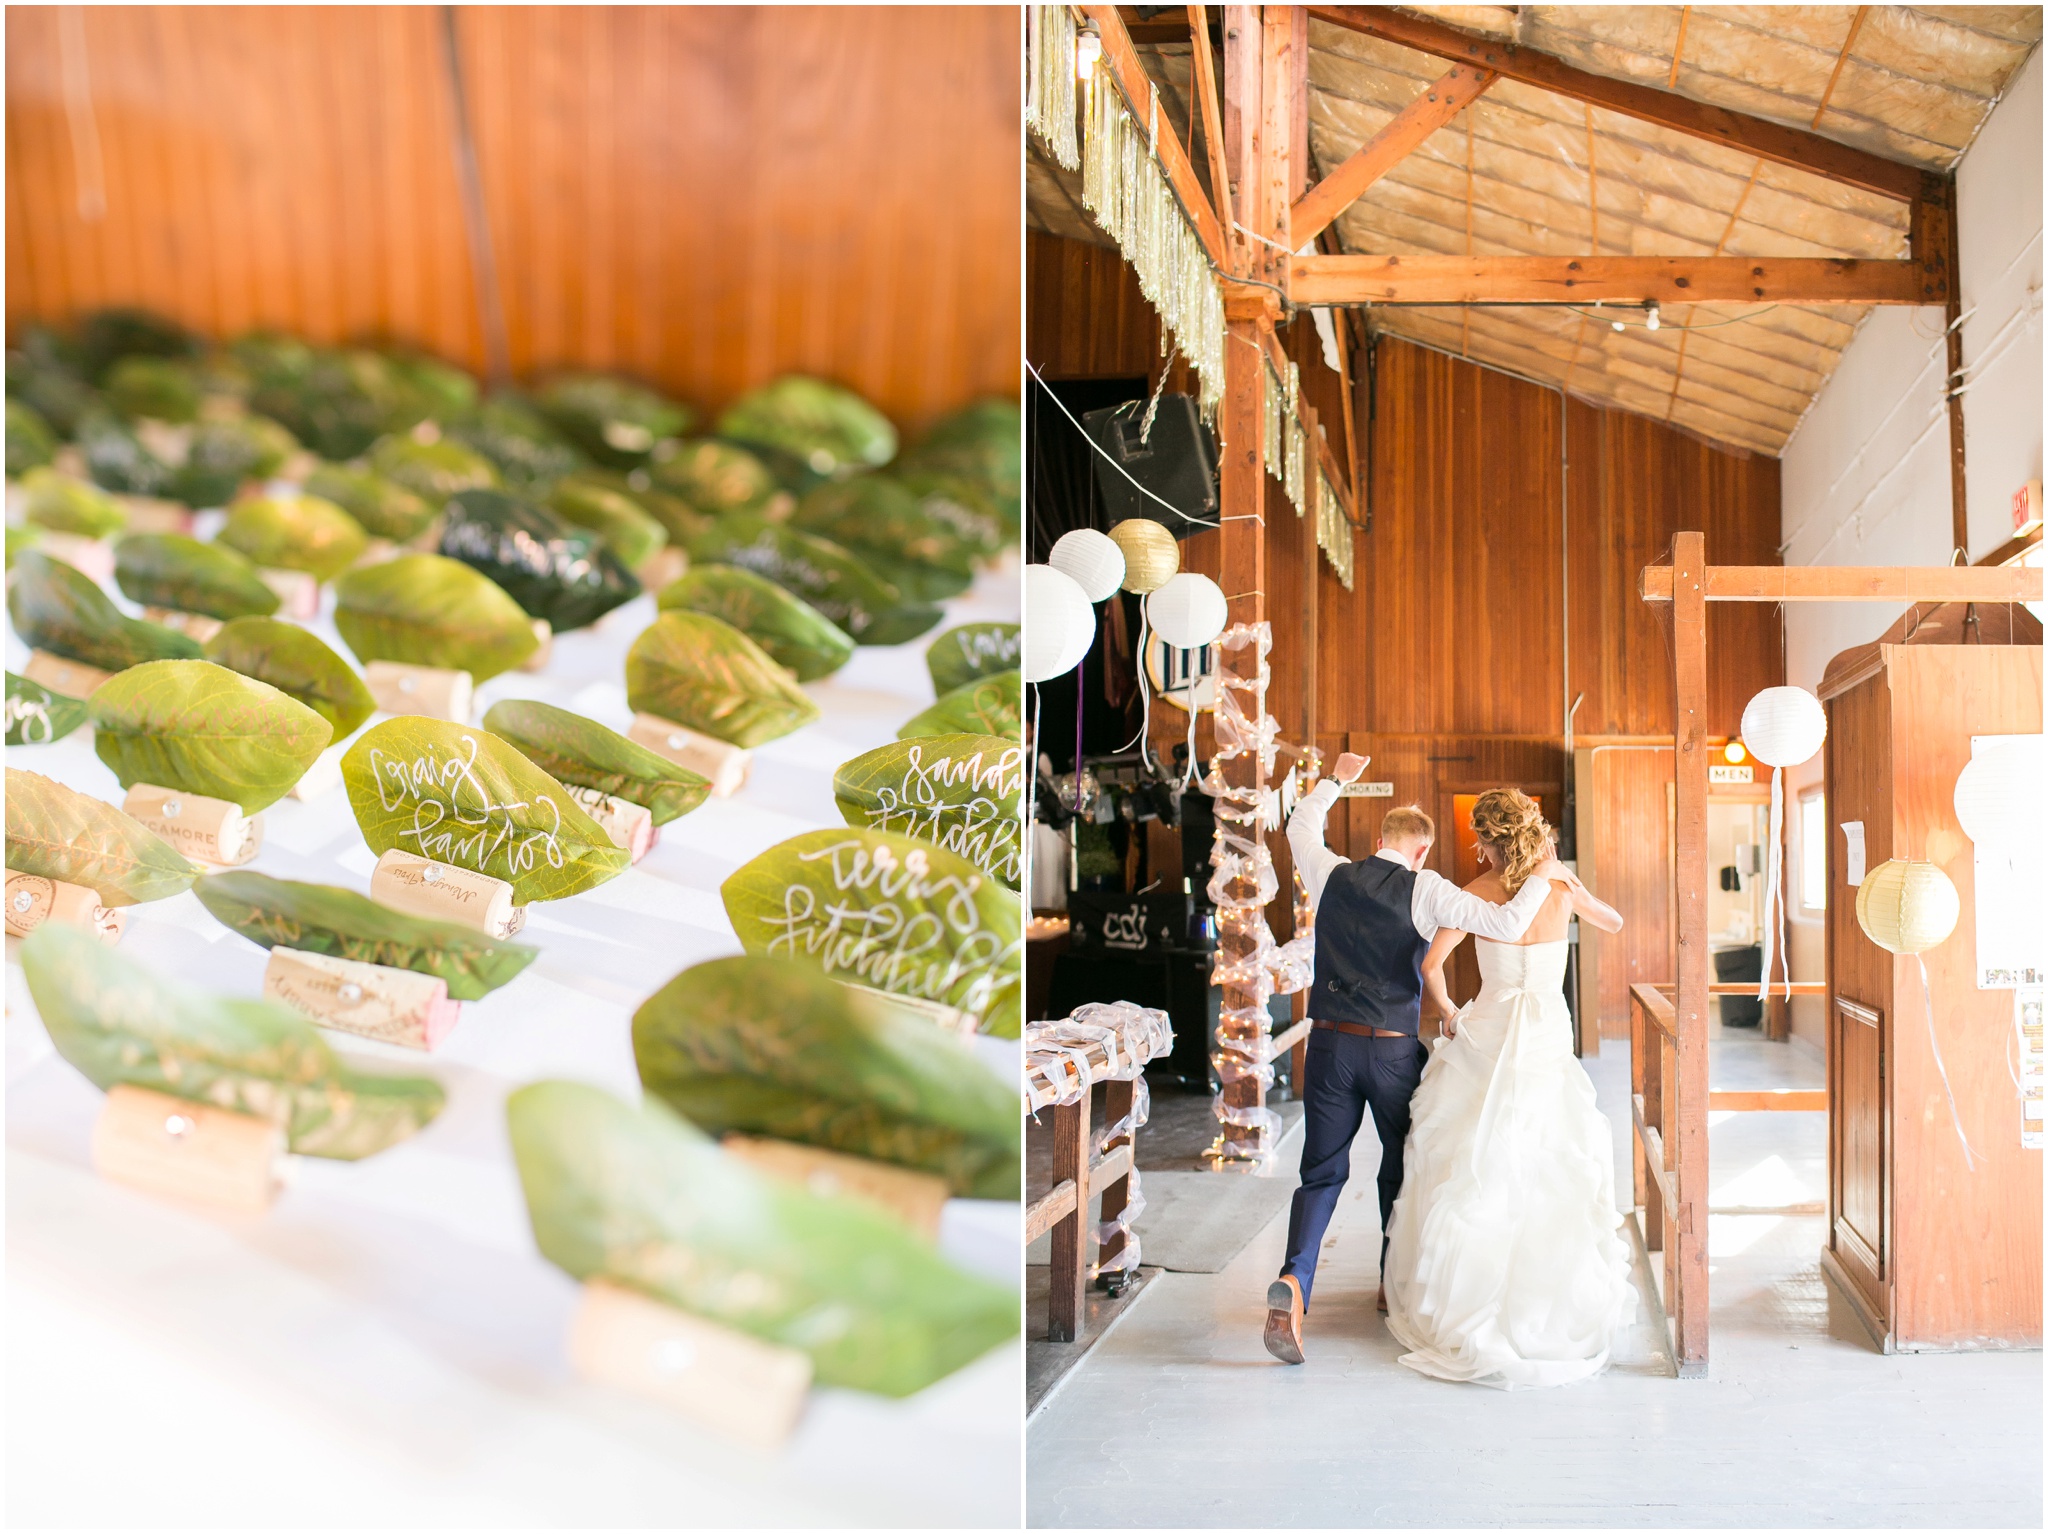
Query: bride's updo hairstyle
{"x": 1509, "y": 822}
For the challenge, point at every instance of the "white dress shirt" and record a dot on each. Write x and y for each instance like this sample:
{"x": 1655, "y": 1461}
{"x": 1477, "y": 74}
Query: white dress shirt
{"x": 1436, "y": 902}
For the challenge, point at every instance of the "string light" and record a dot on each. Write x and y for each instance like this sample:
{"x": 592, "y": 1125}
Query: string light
{"x": 1651, "y": 323}
{"x": 1087, "y": 50}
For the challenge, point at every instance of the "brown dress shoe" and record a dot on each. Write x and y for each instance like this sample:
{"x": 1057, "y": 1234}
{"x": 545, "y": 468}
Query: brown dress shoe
{"x": 1383, "y": 1299}
{"x": 1283, "y": 1319}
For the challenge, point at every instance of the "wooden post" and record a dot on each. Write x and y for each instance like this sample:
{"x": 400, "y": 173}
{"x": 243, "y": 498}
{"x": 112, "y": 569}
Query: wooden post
{"x": 1070, "y": 1236}
{"x": 1952, "y": 315}
{"x": 1686, "y": 1098}
{"x": 1116, "y": 1194}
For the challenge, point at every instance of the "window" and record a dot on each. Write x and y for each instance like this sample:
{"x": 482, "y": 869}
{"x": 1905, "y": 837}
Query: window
{"x": 1813, "y": 851}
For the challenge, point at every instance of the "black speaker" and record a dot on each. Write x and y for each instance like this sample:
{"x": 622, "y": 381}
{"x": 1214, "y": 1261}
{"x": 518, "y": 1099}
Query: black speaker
{"x": 1176, "y": 461}
{"x": 1128, "y": 924}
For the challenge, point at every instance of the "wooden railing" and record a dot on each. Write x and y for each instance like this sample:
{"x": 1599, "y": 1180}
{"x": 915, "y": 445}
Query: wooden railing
{"x": 1667, "y": 1193}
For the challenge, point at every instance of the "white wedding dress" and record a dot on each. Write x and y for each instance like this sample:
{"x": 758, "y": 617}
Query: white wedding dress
{"x": 1506, "y": 1266}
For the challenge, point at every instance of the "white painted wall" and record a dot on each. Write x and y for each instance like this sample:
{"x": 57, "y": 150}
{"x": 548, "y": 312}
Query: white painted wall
{"x": 1866, "y": 475}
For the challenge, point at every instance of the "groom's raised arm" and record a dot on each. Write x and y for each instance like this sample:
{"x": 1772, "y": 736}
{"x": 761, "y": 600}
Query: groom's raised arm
{"x": 1312, "y": 859}
{"x": 1448, "y": 906}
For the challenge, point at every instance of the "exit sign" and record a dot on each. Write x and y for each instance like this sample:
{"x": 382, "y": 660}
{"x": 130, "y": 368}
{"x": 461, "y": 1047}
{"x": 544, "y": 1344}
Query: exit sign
{"x": 2026, "y": 508}
{"x": 1367, "y": 791}
{"x": 1724, "y": 773}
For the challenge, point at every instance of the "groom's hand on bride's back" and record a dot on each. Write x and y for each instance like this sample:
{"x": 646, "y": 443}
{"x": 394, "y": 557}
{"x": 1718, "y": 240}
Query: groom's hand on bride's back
{"x": 1348, "y": 767}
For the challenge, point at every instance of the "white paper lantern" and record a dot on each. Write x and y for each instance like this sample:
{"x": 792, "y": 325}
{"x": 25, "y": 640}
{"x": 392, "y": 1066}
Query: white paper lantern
{"x": 1907, "y": 907}
{"x": 1059, "y": 623}
{"x": 1996, "y": 790}
{"x": 1189, "y": 611}
{"x": 1784, "y": 726}
{"x": 1092, "y": 559}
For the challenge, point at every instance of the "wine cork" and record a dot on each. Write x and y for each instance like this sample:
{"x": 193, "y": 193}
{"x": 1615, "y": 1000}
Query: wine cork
{"x": 735, "y": 1385}
{"x": 208, "y": 830}
{"x": 93, "y": 557}
{"x": 178, "y": 1149}
{"x": 665, "y": 565}
{"x": 952, "y": 1019}
{"x": 421, "y": 887}
{"x": 629, "y": 825}
{"x": 72, "y": 678}
{"x": 916, "y": 1198}
{"x": 429, "y": 690}
{"x": 376, "y": 552}
{"x": 324, "y": 774}
{"x": 146, "y": 514}
{"x": 33, "y": 900}
{"x": 545, "y": 651}
{"x": 298, "y": 593}
{"x": 394, "y": 1006}
{"x": 725, "y": 764}
{"x": 197, "y": 625}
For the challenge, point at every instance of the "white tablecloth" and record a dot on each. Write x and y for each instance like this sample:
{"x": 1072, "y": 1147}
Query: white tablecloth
{"x": 385, "y": 1347}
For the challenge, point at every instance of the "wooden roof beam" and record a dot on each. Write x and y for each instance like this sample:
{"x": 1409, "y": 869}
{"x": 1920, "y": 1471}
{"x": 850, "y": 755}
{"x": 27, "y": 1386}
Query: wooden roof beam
{"x": 1794, "y": 147}
{"x": 1855, "y": 583}
{"x": 1394, "y": 279}
{"x": 1121, "y": 59}
{"x": 1385, "y": 149}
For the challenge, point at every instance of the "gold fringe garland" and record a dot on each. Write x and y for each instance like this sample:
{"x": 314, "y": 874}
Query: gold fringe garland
{"x": 1333, "y": 531}
{"x": 1049, "y": 106}
{"x": 1124, "y": 187}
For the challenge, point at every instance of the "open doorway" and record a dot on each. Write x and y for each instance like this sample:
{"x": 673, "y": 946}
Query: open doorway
{"x": 1737, "y": 853}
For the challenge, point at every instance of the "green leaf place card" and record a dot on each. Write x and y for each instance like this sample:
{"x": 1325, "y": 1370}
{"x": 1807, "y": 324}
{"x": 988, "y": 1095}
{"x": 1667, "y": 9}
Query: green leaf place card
{"x": 119, "y": 1025}
{"x": 582, "y": 753}
{"x": 972, "y": 651}
{"x": 36, "y": 716}
{"x": 773, "y": 1047}
{"x": 205, "y": 730}
{"x": 888, "y": 911}
{"x": 989, "y": 705}
{"x": 423, "y": 610}
{"x": 636, "y": 1195}
{"x": 707, "y": 676}
{"x": 326, "y": 919}
{"x": 962, "y": 792}
{"x": 462, "y": 796}
{"x": 57, "y": 833}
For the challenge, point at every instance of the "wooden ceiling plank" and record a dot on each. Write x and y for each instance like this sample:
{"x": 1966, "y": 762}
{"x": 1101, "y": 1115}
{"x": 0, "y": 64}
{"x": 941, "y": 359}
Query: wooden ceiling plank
{"x": 1438, "y": 279}
{"x": 1678, "y": 48}
{"x": 1415, "y": 122}
{"x": 1798, "y": 148}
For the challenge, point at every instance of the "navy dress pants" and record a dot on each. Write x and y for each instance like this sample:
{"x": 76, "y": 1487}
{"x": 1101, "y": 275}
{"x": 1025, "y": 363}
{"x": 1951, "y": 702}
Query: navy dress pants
{"x": 1348, "y": 1073}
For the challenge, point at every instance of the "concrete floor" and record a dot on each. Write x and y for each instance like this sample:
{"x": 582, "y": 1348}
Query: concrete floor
{"x": 1178, "y": 1418}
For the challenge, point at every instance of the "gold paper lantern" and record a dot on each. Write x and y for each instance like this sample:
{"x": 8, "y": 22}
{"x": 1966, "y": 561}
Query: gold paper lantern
{"x": 1151, "y": 557}
{"x": 1907, "y": 907}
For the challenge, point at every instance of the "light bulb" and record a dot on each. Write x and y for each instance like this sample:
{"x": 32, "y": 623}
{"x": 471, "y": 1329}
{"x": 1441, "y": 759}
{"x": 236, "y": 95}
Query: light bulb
{"x": 1651, "y": 322}
{"x": 1087, "y": 49}
{"x": 1735, "y": 752}
{"x": 1619, "y": 326}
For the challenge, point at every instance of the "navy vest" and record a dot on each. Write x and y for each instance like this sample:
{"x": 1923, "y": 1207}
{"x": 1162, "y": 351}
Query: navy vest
{"x": 1368, "y": 953}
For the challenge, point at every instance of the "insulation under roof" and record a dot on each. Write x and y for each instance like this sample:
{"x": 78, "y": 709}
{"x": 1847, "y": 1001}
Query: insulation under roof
{"x": 1525, "y": 172}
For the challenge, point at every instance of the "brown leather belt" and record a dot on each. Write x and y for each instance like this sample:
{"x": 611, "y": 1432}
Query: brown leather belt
{"x": 1365, "y": 1031}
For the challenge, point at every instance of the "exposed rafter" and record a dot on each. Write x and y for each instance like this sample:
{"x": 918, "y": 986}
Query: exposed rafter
{"x": 1794, "y": 147}
{"x": 1382, "y": 279}
{"x": 1385, "y": 149}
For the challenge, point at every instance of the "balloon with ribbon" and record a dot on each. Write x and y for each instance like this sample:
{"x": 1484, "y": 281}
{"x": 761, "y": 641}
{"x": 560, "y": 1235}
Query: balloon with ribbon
{"x": 1907, "y": 908}
{"x": 1782, "y": 727}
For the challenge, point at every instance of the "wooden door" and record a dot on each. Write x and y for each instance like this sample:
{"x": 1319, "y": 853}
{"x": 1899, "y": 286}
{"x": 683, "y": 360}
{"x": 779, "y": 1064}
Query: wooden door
{"x": 1625, "y": 819}
{"x": 1857, "y": 759}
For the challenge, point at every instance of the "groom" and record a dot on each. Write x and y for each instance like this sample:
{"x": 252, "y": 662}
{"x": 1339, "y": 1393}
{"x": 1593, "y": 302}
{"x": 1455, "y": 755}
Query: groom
{"x": 1374, "y": 922}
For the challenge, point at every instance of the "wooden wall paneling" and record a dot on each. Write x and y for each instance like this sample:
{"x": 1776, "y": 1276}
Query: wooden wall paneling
{"x": 1624, "y": 823}
{"x": 704, "y": 197}
{"x": 1085, "y": 316}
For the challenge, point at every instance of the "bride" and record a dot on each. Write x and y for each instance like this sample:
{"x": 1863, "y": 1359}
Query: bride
{"x": 1506, "y": 1267}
